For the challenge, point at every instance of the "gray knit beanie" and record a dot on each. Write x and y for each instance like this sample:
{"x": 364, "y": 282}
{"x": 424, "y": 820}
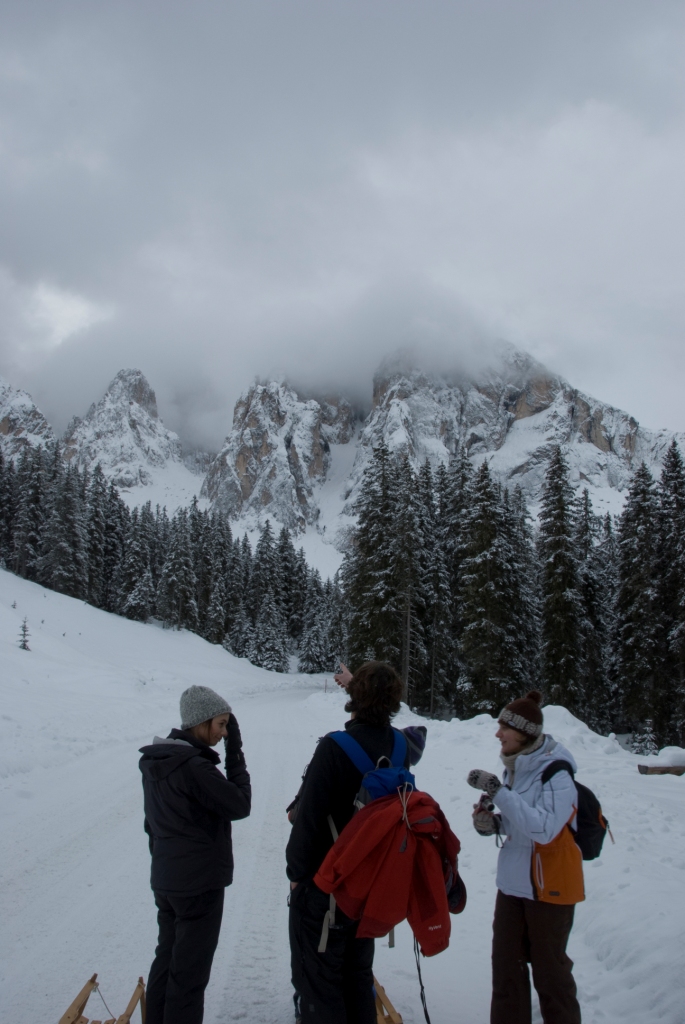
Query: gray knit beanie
{"x": 199, "y": 704}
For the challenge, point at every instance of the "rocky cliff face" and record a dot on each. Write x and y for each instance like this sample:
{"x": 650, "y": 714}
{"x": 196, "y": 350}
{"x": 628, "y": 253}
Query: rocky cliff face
{"x": 22, "y": 424}
{"x": 123, "y": 432}
{"x": 512, "y": 413}
{"x": 277, "y": 453}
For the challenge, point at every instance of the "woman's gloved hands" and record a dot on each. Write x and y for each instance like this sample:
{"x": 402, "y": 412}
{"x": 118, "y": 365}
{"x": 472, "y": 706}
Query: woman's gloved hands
{"x": 234, "y": 744}
{"x": 485, "y": 822}
{"x": 486, "y": 781}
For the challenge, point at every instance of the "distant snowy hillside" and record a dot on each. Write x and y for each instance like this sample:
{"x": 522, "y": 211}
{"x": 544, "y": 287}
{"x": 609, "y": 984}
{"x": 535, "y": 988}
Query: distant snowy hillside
{"x": 22, "y": 424}
{"x": 74, "y": 861}
{"x": 278, "y": 451}
{"x": 123, "y": 432}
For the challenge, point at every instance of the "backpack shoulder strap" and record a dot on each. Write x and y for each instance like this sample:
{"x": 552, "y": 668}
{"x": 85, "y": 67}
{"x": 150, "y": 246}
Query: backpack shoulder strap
{"x": 399, "y": 750}
{"x": 554, "y": 768}
{"x": 356, "y": 753}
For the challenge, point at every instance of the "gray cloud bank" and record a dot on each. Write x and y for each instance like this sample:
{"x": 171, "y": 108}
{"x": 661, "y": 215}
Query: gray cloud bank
{"x": 214, "y": 191}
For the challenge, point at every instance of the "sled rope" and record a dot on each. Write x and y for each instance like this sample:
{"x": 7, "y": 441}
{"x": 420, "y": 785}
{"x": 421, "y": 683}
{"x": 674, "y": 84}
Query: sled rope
{"x": 97, "y": 989}
{"x": 423, "y": 991}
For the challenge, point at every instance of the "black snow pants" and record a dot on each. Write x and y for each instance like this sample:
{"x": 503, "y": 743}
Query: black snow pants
{"x": 189, "y": 929}
{"x": 531, "y": 932}
{"x": 335, "y": 987}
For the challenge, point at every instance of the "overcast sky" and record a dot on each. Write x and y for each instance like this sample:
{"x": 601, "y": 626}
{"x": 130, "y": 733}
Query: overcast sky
{"x": 213, "y": 191}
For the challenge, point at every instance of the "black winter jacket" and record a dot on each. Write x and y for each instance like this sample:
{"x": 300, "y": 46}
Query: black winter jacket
{"x": 329, "y": 787}
{"x": 189, "y": 807}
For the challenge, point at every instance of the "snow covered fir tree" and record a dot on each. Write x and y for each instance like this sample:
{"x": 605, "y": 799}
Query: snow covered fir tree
{"x": 446, "y": 576}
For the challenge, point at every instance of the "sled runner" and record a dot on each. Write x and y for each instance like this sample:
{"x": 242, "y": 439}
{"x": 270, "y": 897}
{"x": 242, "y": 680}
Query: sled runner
{"x": 385, "y": 1011}
{"x": 75, "y": 1015}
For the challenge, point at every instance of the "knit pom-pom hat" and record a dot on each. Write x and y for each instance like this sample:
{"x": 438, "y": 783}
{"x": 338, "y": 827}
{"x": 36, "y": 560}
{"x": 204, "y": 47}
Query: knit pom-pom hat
{"x": 524, "y": 714}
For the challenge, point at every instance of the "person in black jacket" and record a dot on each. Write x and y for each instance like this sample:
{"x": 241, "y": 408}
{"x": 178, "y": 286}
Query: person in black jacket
{"x": 336, "y": 986}
{"x": 189, "y": 807}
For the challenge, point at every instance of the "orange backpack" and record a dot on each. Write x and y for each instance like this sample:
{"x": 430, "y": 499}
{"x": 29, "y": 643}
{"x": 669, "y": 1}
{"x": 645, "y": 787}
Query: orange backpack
{"x": 557, "y": 868}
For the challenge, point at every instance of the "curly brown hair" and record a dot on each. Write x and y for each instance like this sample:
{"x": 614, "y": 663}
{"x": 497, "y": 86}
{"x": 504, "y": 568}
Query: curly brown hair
{"x": 374, "y": 691}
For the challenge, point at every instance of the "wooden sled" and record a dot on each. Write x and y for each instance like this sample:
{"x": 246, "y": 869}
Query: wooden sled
{"x": 385, "y": 1011}
{"x": 657, "y": 769}
{"x": 74, "y": 1014}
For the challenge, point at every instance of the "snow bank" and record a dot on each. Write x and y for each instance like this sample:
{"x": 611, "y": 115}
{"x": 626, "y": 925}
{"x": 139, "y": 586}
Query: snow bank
{"x": 74, "y": 895}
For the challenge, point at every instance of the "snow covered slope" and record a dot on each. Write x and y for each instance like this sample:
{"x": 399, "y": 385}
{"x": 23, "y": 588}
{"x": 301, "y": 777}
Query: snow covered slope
{"x": 123, "y": 432}
{"x": 22, "y": 424}
{"x": 277, "y": 451}
{"x": 74, "y": 864}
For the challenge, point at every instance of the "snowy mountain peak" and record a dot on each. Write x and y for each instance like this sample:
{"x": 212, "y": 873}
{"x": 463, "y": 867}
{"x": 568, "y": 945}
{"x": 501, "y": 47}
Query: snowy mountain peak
{"x": 277, "y": 453}
{"x": 123, "y": 432}
{"x": 22, "y": 424}
{"x": 512, "y": 412}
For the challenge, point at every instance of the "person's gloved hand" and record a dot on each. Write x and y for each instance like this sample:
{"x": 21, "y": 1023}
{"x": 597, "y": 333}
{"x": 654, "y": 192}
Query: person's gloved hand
{"x": 485, "y": 822}
{"x": 234, "y": 744}
{"x": 486, "y": 781}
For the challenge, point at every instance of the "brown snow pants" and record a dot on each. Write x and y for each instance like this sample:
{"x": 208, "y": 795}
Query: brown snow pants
{"x": 530, "y": 932}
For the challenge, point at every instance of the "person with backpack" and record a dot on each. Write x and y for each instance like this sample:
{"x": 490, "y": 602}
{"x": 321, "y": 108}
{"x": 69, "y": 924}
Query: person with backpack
{"x": 539, "y": 871}
{"x": 189, "y": 807}
{"x": 334, "y": 985}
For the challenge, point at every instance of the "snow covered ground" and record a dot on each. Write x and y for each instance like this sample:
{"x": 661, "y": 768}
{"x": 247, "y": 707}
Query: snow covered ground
{"x": 74, "y": 864}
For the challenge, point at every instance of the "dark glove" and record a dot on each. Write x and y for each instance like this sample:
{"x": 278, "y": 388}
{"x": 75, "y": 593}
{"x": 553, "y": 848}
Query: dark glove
{"x": 234, "y": 744}
{"x": 486, "y": 781}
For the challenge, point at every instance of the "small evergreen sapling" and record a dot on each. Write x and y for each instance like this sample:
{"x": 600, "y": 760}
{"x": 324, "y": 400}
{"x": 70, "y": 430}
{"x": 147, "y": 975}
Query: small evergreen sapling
{"x": 24, "y": 636}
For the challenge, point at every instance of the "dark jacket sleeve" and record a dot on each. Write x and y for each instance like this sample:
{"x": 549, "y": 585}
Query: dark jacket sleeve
{"x": 228, "y": 797}
{"x": 311, "y": 836}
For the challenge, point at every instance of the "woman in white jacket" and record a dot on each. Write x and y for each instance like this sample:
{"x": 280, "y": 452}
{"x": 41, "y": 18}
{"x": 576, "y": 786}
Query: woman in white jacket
{"x": 539, "y": 872}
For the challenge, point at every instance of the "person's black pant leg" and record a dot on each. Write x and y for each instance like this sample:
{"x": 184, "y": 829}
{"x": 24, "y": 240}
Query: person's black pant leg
{"x": 336, "y": 987}
{"x": 549, "y": 926}
{"x": 188, "y": 963}
{"x": 510, "y": 978}
{"x": 159, "y": 972}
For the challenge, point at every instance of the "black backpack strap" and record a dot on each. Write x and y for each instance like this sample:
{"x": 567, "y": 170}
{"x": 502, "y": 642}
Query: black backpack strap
{"x": 554, "y": 768}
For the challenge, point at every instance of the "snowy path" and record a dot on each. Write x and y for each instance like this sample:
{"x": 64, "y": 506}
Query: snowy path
{"x": 74, "y": 865}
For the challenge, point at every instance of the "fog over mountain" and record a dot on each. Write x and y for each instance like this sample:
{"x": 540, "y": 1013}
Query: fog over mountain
{"x": 211, "y": 192}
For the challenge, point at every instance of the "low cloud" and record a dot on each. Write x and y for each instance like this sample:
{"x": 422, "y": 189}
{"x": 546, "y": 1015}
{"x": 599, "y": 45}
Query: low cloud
{"x": 250, "y": 191}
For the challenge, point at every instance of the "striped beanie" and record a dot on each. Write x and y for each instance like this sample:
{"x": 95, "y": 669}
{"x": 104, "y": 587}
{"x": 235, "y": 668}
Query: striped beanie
{"x": 524, "y": 714}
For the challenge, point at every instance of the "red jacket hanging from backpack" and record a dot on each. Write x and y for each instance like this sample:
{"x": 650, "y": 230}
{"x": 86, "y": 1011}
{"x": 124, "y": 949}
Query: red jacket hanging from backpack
{"x": 392, "y": 863}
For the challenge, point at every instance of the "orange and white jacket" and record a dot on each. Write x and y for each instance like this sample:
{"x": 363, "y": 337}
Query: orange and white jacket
{"x": 540, "y": 859}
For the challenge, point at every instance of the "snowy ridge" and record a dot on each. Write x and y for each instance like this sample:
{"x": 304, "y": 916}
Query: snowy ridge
{"x": 512, "y": 414}
{"x": 74, "y": 861}
{"x": 124, "y": 434}
{"x": 22, "y": 424}
{"x": 277, "y": 451}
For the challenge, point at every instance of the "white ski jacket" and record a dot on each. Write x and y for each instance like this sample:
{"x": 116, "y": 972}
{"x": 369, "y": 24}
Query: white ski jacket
{"x": 532, "y": 813}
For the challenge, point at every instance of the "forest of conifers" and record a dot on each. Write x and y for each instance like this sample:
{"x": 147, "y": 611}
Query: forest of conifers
{"x": 446, "y": 576}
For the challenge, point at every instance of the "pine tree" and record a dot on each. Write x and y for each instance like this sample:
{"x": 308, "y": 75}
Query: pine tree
{"x": 270, "y": 641}
{"x": 135, "y": 590}
{"x": 96, "y": 528}
{"x": 263, "y": 577}
{"x": 63, "y": 564}
{"x": 644, "y": 740}
{"x": 560, "y": 598}
{"x": 313, "y": 656}
{"x": 670, "y": 594}
{"x": 29, "y": 518}
{"x": 440, "y": 641}
{"x": 594, "y": 625}
{"x": 117, "y": 518}
{"x": 176, "y": 593}
{"x": 489, "y": 602}
{"x": 637, "y": 611}
{"x": 24, "y": 635}
{"x": 374, "y": 628}
{"x": 7, "y": 508}
{"x": 240, "y": 639}
{"x": 215, "y": 619}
